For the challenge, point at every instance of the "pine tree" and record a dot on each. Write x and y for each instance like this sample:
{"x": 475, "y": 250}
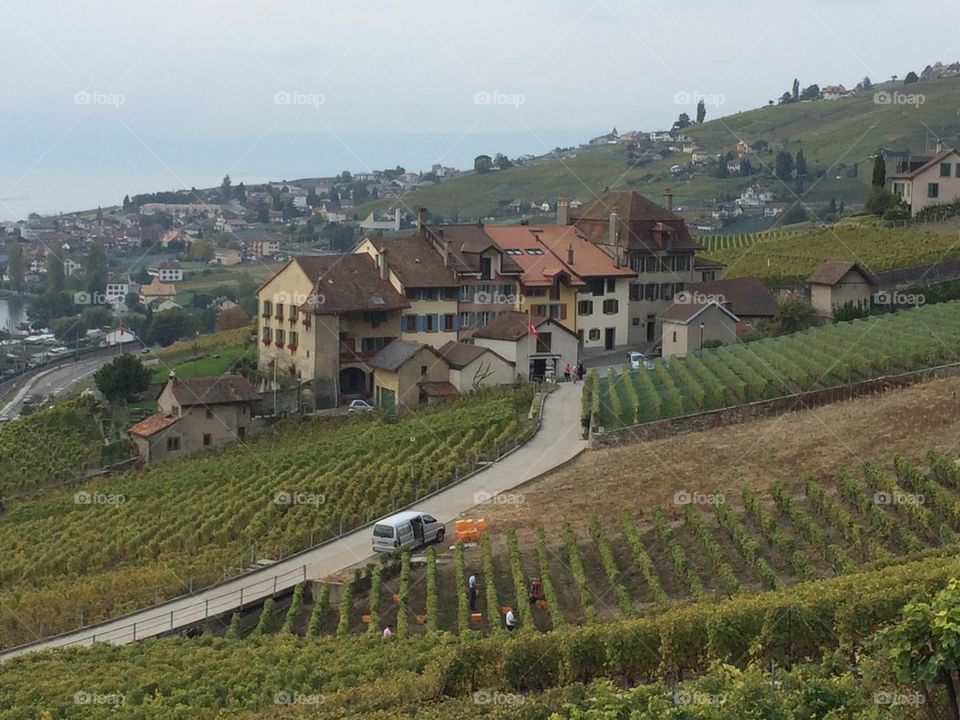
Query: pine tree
{"x": 879, "y": 171}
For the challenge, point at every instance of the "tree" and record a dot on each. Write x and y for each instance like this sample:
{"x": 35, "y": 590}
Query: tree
{"x": 701, "y": 112}
{"x": 240, "y": 193}
{"x": 232, "y": 318}
{"x": 879, "y": 171}
{"x": 122, "y": 378}
{"x": 95, "y": 269}
{"x": 785, "y": 99}
{"x": 225, "y": 187}
{"x": 722, "y": 170}
{"x": 925, "y": 645}
{"x": 866, "y": 83}
{"x": 56, "y": 277}
{"x": 17, "y": 268}
{"x": 126, "y": 202}
{"x": 482, "y": 164}
{"x": 502, "y": 161}
{"x": 795, "y": 93}
{"x": 201, "y": 250}
{"x": 68, "y": 329}
{"x": 683, "y": 121}
{"x": 745, "y": 166}
{"x": 811, "y": 92}
{"x": 911, "y": 78}
{"x": 263, "y": 214}
{"x": 793, "y": 315}
{"x": 801, "y": 163}
{"x": 879, "y": 200}
{"x": 171, "y": 325}
{"x": 783, "y": 166}
{"x": 796, "y": 214}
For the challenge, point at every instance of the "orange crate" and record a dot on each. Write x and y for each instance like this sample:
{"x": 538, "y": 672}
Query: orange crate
{"x": 421, "y": 619}
{"x": 365, "y": 618}
{"x": 476, "y": 617}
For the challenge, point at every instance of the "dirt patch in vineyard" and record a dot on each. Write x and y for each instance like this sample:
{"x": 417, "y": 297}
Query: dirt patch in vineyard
{"x": 817, "y": 442}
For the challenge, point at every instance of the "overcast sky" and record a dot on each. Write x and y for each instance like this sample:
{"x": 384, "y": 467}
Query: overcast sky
{"x": 107, "y": 97}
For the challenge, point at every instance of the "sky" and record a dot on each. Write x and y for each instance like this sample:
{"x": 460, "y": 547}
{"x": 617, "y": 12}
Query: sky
{"x": 109, "y": 97}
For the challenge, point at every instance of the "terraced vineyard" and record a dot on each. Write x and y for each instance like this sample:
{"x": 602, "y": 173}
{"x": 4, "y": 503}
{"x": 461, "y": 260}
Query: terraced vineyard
{"x": 797, "y": 254}
{"x": 147, "y": 535}
{"x": 630, "y": 567}
{"x": 713, "y": 243}
{"x": 49, "y": 446}
{"x": 817, "y": 358}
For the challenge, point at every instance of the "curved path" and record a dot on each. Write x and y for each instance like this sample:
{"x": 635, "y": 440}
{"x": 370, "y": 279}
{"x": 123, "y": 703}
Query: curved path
{"x": 556, "y": 442}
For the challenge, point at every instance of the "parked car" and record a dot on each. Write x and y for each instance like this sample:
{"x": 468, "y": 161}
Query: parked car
{"x": 638, "y": 360}
{"x": 410, "y": 528}
{"x": 359, "y": 406}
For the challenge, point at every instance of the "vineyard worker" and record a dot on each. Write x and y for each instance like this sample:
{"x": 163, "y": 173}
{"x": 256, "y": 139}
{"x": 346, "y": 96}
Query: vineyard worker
{"x": 387, "y": 631}
{"x": 472, "y": 589}
{"x": 511, "y": 621}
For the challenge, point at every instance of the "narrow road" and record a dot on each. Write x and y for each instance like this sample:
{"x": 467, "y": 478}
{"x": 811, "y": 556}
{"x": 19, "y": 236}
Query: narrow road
{"x": 557, "y": 442}
{"x": 54, "y": 381}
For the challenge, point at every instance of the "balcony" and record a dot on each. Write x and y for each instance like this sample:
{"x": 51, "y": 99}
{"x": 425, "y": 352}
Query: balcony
{"x": 306, "y": 321}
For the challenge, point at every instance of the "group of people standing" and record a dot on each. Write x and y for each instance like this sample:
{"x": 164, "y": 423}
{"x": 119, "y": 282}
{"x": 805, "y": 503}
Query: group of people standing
{"x": 576, "y": 373}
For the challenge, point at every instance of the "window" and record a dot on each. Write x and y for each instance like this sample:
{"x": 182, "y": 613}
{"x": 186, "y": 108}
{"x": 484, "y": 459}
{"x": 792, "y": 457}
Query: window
{"x": 408, "y": 323}
{"x": 636, "y": 292}
{"x": 267, "y": 308}
{"x": 611, "y": 306}
{"x": 173, "y": 443}
{"x": 485, "y": 317}
{"x": 535, "y": 292}
{"x": 544, "y": 341}
{"x": 241, "y": 432}
{"x": 466, "y": 293}
{"x": 611, "y": 285}
{"x": 650, "y": 291}
{"x": 958, "y": 170}
{"x": 636, "y": 322}
{"x": 674, "y": 335}
{"x": 293, "y": 338}
{"x": 266, "y": 335}
{"x": 428, "y": 323}
{"x": 945, "y": 169}
{"x": 278, "y": 335}
{"x": 933, "y": 190}
{"x": 594, "y": 333}
{"x": 293, "y": 313}
{"x": 209, "y": 414}
{"x": 243, "y": 410}
{"x": 207, "y": 439}
{"x": 466, "y": 319}
{"x": 449, "y": 322}
{"x": 680, "y": 263}
{"x": 423, "y": 370}
{"x": 506, "y": 291}
{"x": 534, "y": 251}
{"x": 585, "y": 307}
{"x": 514, "y": 251}
{"x": 486, "y": 268}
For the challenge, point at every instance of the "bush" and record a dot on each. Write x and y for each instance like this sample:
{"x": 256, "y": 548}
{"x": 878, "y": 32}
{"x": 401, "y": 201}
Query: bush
{"x": 879, "y": 200}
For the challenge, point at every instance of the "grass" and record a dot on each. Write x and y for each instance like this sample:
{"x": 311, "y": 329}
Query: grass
{"x": 204, "y": 365}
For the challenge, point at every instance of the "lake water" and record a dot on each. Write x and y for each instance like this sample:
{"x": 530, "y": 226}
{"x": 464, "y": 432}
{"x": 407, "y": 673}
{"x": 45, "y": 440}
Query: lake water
{"x": 13, "y": 311}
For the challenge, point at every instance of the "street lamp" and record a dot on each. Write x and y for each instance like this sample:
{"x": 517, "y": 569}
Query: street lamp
{"x": 701, "y": 337}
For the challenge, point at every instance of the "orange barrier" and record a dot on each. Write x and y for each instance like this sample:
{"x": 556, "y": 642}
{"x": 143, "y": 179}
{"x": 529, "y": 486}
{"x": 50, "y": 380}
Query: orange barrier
{"x": 468, "y": 529}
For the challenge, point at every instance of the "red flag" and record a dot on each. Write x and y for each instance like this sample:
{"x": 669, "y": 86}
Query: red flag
{"x": 533, "y": 330}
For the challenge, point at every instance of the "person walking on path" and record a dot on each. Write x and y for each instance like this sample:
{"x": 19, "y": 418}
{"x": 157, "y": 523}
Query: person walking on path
{"x": 472, "y": 590}
{"x": 566, "y": 372}
{"x": 581, "y": 371}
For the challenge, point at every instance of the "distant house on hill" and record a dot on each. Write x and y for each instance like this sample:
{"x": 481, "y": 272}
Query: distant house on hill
{"x": 156, "y": 291}
{"x": 837, "y": 283}
{"x": 196, "y": 414}
{"x": 835, "y": 92}
{"x": 166, "y": 270}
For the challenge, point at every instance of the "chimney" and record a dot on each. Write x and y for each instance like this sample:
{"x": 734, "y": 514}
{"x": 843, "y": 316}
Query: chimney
{"x": 382, "y": 263}
{"x": 421, "y": 218}
{"x": 570, "y": 254}
{"x": 446, "y": 253}
{"x": 614, "y": 229}
{"x": 668, "y": 199}
{"x": 939, "y": 146}
{"x": 563, "y": 211}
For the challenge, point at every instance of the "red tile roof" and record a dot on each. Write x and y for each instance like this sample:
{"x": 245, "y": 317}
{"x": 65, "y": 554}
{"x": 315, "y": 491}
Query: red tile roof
{"x": 220, "y": 390}
{"x": 744, "y": 297}
{"x": 152, "y": 425}
{"x": 513, "y": 326}
{"x": 439, "y": 389}
{"x": 415, "y": 261}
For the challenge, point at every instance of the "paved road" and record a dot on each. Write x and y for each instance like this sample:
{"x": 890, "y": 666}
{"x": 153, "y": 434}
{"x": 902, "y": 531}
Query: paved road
{"x": 557, "y": 442}
{"x": 54, "y": 381}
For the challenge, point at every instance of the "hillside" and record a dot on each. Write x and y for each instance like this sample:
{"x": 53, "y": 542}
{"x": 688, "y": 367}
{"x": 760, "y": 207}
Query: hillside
{"x": 834, "y": 136}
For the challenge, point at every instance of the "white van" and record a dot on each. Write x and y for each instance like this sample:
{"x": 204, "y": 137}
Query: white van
{"x": 410, "y": 528}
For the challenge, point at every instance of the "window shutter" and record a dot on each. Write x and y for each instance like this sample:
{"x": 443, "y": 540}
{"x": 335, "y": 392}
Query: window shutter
{"x": 563, "y": 312}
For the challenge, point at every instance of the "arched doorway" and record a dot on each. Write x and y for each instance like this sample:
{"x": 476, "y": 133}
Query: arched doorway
{"x": 353, "y": 381}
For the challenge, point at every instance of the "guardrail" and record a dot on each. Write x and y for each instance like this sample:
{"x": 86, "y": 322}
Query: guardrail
{"x": 164, "y": 621}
